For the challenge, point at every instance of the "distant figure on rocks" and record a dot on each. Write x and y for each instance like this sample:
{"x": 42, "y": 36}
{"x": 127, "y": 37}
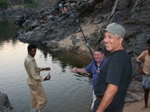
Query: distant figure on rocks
{"x": 62, "y": 8}
{"x": 62, "y": 5}
{"x": 43, "y": 18}
{"x": 93, "y": 68}
{"x": 37, "y": 94}
{"x": 145, "y": 71}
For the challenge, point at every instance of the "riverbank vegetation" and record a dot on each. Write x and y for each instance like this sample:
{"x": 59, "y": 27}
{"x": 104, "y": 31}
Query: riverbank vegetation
{"x": 4, "y": 4}
{"x": 31, "y": 3}
{"x": 26, "y": 3}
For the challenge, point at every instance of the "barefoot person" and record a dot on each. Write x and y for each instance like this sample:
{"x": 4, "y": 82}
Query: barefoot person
{"x": 145, "y": 57}
{"x": 37, "y": 94}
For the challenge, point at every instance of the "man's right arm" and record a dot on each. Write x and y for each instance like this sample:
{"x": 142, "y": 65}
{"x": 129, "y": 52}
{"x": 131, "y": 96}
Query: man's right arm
{"x": 86, "y": 70}
{"x": 139, "y": 59}
{"x": 140, "y": 68}
{"x": 79, "y": 70}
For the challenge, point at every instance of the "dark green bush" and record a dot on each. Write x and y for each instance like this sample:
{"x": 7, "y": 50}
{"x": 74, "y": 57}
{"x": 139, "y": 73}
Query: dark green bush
{"x": 28, "y": 28}
{"x": 31, "y": 3}
{"x": 4, "y": 4}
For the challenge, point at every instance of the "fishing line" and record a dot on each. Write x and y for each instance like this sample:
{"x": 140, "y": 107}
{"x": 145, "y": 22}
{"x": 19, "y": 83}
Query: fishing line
{"x": 77, "y": 21}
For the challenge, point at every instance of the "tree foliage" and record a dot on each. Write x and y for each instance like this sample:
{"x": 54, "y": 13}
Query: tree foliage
{"x": 4, "y": 4}
{"x": 31, "y": 3}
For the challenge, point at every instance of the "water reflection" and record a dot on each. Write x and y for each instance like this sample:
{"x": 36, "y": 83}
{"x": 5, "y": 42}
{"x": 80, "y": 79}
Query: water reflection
{"x": 66, "y": 91}
{"x": 7, "y": 29}
{"x": 65, "y": 58}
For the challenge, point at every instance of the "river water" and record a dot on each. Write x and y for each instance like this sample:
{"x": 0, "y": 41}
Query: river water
{"x": 66, "y": 91}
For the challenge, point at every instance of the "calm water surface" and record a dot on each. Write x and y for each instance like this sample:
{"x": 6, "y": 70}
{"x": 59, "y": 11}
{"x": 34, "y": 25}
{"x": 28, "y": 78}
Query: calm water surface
{"x": 66, "y": 91}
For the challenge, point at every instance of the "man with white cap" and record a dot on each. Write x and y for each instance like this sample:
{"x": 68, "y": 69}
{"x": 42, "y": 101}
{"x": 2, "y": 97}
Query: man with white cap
{"x": 115, "y": 75}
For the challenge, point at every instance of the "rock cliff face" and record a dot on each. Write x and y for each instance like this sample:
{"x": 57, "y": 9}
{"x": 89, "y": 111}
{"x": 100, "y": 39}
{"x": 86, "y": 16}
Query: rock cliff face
{"x": 50, "y": 26}
{"x": 60, "y": 31}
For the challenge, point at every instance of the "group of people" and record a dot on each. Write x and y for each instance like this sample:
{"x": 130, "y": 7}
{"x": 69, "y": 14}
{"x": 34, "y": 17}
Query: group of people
{"x": 111, "y": 76}
{"x": 111, "y": 81}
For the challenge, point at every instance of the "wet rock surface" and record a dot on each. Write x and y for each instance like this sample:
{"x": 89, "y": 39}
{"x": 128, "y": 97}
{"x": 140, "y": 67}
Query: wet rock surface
{"x": 5, "y": 105}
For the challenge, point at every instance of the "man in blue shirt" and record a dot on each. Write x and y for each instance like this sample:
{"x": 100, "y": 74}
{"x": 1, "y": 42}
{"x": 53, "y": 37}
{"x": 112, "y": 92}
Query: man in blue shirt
{"x": 93, "y": 68}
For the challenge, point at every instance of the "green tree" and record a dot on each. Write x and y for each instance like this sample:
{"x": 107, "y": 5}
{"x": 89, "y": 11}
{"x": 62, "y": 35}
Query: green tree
{"x": 4, "y": 4}
{"x": 31, "y": 3}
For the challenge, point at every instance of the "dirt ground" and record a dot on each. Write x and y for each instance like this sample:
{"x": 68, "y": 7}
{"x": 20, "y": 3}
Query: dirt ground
{"x": 137, "y": 107}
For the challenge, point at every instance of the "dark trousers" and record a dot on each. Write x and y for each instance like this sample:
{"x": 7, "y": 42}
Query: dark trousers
{"x": 115, "y": 106}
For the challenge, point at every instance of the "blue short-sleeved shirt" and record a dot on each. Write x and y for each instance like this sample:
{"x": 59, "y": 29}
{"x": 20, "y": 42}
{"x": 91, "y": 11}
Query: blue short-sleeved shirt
{"x": 91, "y": 68}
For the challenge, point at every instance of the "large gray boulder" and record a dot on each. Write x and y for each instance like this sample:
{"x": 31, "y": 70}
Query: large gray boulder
{"x": 5, "y": 105}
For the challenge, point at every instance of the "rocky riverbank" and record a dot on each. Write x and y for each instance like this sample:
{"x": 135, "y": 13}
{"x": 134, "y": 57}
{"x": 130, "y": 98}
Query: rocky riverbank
{"x": 60, "y": 31}
{"x": 5, "y": 105}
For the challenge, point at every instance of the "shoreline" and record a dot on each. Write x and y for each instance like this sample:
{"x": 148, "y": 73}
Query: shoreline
{"x": 137, "y": 107}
